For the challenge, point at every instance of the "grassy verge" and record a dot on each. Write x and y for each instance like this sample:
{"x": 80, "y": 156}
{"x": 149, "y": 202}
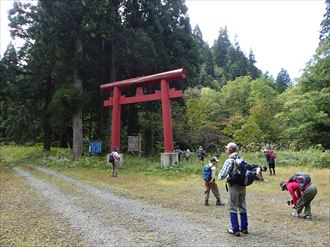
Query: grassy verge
{"x": 139, "y": 174}
{"x": 25, "y": 219}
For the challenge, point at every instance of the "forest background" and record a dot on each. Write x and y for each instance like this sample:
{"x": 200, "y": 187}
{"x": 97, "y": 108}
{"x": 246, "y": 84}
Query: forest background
{"x": 50, "y": 87}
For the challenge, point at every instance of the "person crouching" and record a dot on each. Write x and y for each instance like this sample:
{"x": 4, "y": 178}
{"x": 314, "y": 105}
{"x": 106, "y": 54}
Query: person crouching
{"x": 302, "y": 195}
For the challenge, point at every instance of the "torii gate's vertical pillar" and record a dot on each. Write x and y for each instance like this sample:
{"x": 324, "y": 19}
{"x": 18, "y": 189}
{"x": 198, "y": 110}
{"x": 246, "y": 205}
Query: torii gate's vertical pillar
{"x": 167, "y": 120}
{"x": 116, "y": 113}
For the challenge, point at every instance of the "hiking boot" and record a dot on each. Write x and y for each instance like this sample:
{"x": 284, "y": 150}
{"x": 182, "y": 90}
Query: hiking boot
{"x": 219, "y": 203}
{"x": 308, "y": 217}
{"x": 295, "y": 213}
{"x": 206, "y": 203}
{"x": 245, "y": 231}
{"x": 230, "y": 231}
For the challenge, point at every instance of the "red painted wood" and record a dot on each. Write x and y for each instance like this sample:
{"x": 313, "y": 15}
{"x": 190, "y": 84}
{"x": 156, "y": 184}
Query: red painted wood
{"x": 172, "y": 75}
{"x": 144, "y": 98}
{"x": 116, "y": 113}
{"x": 167, "y": 121}
{"x": 165, "y": 94}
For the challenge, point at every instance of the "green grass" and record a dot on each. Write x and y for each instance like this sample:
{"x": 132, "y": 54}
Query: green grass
{"x": 62, "y": 158}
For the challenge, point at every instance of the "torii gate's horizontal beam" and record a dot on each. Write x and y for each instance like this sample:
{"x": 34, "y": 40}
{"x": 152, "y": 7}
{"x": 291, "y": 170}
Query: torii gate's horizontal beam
{"x": 172, "y": 75}
{"x": 172, "y": 93}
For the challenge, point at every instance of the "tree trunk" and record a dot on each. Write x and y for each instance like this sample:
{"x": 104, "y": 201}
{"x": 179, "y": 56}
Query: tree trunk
{"x": 63, "y": 138}
{"x": 77, "y": 115}
{"x": 47, "y": 128}
{"x": 112, "y": 79}
{"x": 101, "y": 125}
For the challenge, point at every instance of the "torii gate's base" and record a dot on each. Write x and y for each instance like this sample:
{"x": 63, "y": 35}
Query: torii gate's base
{"x": 168, "y": 159}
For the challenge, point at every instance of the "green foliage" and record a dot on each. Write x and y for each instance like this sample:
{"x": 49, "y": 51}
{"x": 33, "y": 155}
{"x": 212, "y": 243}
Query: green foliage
{"x": 197, "y": 116}
{"x": 234, "y": 96}
{"x": 65, "y": 101}
{"x": 151, "y": 126}
{"x": 220, "y": 48}
{"x": 250, "y": 132}
{"x": 263, "y": 107}
{"x": 283, "y": 81}
{"x": 62, "y": 158}
{"x": 310, "y": 158}
{"x": 253, "y": 71}
{"x": 9, "y": 154}
{"x": 21, "y": 124}
{"x": 325, "y": 25}
{"x": 301, "y": 118}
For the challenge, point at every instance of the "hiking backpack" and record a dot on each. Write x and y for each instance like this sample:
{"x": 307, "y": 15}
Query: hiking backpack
{"x": 111, "y": 158}
{"x": 241, "y": 173}
{"x": 207, "y": 173}
{"x": 301, "y": 178}
{"x": 272, "y": 154}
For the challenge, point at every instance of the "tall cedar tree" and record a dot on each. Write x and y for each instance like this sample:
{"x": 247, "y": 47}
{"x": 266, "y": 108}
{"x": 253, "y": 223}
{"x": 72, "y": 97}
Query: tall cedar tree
{"x": 283, "y": 81}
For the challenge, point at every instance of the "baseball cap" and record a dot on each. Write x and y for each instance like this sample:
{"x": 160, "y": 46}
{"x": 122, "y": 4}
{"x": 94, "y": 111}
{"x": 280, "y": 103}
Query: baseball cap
{"x": 214, "y": 159}
{"x": 232, "y": 146}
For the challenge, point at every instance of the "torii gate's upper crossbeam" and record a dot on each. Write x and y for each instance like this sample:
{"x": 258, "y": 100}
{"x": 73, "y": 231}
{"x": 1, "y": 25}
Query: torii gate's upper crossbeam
{"x": 172, "y": 75}
{"x": 165, "y": 94}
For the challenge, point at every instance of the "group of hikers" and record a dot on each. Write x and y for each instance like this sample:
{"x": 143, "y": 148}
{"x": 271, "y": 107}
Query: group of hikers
{"x": 237, "y": 175}
{"x": 187, "y": 153}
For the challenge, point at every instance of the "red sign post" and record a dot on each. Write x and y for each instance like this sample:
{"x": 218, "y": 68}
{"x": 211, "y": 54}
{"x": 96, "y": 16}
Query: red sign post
{"x": 116, "y": 99}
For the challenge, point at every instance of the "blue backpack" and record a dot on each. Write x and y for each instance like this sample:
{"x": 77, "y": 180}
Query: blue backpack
{"x": 111, "y": 158}
{"x": 207, "y": 173}
{"x": 241, "y": 173}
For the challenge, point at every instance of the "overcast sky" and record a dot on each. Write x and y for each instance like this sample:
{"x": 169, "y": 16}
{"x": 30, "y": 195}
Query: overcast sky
{"x": 281, "y": 33}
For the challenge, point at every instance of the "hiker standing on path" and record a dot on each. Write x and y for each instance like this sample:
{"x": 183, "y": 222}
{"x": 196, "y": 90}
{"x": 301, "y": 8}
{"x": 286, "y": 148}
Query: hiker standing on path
{"x": 179, "y": 152}
{"x": 210, "y": 184}
{"x": 201, "y": 153}
{"x": 187, "y": 155}
{"x": 114, "y": 160}
{"x": 302, "y": 192}
{"x": 237, "y": 193}
{"x": 270, "y": 156}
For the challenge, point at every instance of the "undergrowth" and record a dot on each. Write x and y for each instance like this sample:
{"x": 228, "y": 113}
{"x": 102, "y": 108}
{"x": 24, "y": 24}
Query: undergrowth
{"x": 62, "y": 158}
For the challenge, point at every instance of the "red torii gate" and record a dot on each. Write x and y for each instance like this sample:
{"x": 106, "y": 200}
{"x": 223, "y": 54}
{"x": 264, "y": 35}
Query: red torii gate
{"x": 165, "y": 94}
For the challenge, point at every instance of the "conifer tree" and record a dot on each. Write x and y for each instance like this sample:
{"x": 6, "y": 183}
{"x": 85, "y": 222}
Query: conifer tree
{"x": 220, "y": 48}
{"x": 283, "y": 81}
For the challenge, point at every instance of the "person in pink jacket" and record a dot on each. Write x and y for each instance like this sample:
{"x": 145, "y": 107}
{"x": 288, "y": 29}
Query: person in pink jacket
{"x": 302, "y": 196}
{"x": 295, "y": 192}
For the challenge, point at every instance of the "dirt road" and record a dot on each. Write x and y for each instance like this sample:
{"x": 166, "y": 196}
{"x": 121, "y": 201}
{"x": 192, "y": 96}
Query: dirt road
{"x": 75, "y": 213}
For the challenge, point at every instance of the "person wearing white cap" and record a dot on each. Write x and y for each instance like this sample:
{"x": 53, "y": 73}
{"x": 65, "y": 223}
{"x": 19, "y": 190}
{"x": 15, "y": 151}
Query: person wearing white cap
{"x": 210, "y": 184}
{"x": 237, "y": 193}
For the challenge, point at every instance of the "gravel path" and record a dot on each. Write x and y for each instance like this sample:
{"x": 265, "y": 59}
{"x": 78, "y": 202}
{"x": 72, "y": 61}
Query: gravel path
{"x": 97, "y": 232}
{"x": 170, "y": 227}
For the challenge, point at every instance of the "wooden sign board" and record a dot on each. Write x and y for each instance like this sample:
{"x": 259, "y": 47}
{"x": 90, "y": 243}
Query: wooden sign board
{"x": 134, "y": 144}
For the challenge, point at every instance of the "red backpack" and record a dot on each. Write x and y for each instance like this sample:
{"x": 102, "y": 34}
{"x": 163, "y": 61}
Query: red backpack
{"x": 272, "y": 154}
